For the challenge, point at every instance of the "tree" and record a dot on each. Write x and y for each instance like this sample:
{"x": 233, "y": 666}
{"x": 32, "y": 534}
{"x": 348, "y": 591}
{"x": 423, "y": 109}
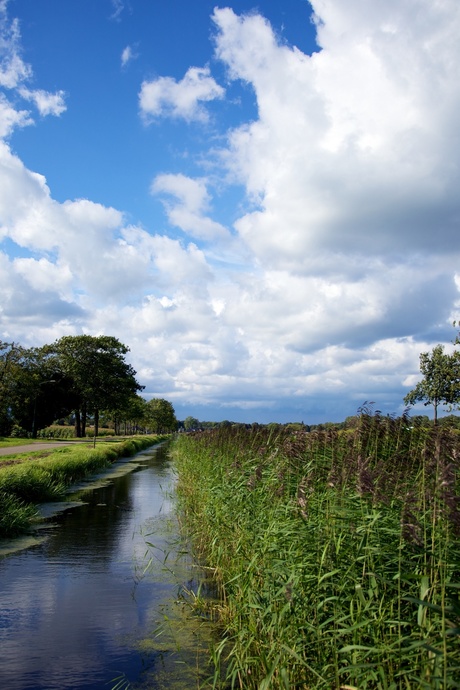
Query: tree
{"x": 101, "y": 379}
{"x": 161, "y": 417}
{"x": 441, "y": 380}
{"x": 451, "y": 421}
{"x": 191, "y": 423}
{"x": 11, "y": 356}
{"x": 132, "y": 415}
{"x": 31, "y": 393}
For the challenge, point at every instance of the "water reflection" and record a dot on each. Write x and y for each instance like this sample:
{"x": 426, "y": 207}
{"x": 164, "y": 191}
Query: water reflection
{"x": 80, "y": 609}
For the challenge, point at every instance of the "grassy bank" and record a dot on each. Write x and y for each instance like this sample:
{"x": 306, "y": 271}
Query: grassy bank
{"x": 10, "y": 442}
{"x": 31, "y": 480}
{"x": 337, "y": 553}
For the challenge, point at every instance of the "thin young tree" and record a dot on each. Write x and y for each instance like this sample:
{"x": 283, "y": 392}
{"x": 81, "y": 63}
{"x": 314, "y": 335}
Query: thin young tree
{"x": 440, "y": 384}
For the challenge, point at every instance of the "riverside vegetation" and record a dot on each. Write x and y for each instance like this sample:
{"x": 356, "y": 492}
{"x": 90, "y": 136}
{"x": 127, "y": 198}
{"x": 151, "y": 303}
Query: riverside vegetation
{"x": 26, "y": 480}
{"x": 337, "y": 553}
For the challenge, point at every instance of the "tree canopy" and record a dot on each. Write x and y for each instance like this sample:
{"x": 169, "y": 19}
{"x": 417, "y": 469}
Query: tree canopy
{"x": 11, "y": 356}
{"x": 101, "y": 378}
{"x": 191, "y": 423}
{"x": 84, "y": 375}
{"x": 441, "y": 380}
{"x": 160, "y": 416}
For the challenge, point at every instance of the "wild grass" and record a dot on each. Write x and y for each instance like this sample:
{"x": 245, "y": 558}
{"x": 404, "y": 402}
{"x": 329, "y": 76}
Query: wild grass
{"x": 33, "y": 481}
{"x": 7, "y": 442}
{"x": 337, "y": 553}
{"x": 15, "y": 515}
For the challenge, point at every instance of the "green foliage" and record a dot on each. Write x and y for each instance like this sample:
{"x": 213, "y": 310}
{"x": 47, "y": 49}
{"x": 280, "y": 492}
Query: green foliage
{"x": 100, "y": 377}
{"x": 11, "y": 359}
{"x": 15, "y": 516}
{"x": 336, "y": 552}
{"x": 130, "y": 415}
{"x": 160, "y": 416}
{"x": 18, "y": 432}
{"x": 191, "y": 423}
{"x": 33, "y": 481}
{"x": 452, "y": 421}
{"x": 441, "y": 380}
{"x": 57, "y": 431}
{"x": 85, "y": 376}
{"x": 31, "y": 394}
{"x": 30, "y": 483}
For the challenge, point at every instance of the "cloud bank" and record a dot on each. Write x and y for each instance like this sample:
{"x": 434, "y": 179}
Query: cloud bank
{"x": 342, "y": 263}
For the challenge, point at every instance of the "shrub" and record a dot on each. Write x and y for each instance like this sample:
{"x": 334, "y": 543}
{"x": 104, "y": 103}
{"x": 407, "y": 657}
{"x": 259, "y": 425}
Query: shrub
{"x": 18, "y": 432}
{"x": 57, "y": 431}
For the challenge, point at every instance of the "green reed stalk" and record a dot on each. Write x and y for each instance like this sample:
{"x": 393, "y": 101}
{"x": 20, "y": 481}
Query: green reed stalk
{"x": 334, "y": 552}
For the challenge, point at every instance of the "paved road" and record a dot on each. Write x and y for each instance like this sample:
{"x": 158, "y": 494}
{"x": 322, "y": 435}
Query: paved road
{"x": 33, "y": 446}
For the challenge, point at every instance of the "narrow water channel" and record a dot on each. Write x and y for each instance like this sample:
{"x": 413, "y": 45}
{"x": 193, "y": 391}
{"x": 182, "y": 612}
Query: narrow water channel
{"x": 95, "y": 601}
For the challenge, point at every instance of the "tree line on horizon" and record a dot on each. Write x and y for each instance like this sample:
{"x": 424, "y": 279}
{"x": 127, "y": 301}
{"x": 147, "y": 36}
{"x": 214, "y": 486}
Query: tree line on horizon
{"x": 85, "y": 379}
{"x": 440, "y": 386}
{"x": 79, "y": 379}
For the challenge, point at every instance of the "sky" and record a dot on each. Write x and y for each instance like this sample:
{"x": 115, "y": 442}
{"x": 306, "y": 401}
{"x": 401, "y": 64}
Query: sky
{"x": 260, "y": 200}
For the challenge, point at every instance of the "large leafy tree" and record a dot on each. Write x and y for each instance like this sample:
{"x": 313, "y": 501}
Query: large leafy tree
{"x": 11, "y": 356}
{"x": 160, "y": 416}
{"x": 441, "y": 380}
{"x": 32, "y": 392}
{"x": 41, "y": 393}
{"x": 101, "y": 378}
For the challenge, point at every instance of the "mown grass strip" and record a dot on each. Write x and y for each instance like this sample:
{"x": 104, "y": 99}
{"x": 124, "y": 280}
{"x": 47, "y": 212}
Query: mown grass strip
{"x": 33, "y": 481}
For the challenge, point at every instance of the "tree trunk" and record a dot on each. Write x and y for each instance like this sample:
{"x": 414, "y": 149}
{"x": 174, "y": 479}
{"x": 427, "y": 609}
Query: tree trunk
{"x": 83, "y": 420}
{"x": 96, "y": 422}
{"x": 77, "y": 424}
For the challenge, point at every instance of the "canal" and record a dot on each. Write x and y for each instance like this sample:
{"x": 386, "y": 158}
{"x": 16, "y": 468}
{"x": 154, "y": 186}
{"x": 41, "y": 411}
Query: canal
{"x": 97, "y": 597}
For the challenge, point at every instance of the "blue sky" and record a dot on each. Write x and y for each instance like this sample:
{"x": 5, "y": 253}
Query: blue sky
{"x": 260, "y": 200}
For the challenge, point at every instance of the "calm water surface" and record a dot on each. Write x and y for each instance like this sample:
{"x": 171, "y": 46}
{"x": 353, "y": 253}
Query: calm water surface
{"x": 96, "y": 602}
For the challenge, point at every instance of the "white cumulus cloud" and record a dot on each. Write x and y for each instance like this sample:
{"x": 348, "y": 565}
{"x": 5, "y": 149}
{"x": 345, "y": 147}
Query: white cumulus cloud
{"x": 46, "y": 103}
{"x": 353, "y": 150}
{"x": 188, "y": 210}
{"x": 181, "y": 99}
{"x": 342, "y": 263}
{"x": 14, "y": 73}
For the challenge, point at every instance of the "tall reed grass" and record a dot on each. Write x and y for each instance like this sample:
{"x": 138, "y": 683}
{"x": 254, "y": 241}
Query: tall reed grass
{"x": 337, "y": 552}
{"x": 34, "y": 481}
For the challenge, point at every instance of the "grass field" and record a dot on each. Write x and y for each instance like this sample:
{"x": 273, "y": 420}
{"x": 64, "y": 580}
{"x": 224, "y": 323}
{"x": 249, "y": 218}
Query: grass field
{"x": 11, "y": 442}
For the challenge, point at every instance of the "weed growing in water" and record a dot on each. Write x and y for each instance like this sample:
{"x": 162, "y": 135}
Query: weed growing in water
{"x": 15, "y": 516}
{"x": 336, "y": 552}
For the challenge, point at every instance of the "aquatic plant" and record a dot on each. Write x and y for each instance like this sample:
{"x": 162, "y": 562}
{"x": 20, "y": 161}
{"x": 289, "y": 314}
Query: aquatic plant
{"x": 336, "y": 552}
{"x": 15, "y": 516}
